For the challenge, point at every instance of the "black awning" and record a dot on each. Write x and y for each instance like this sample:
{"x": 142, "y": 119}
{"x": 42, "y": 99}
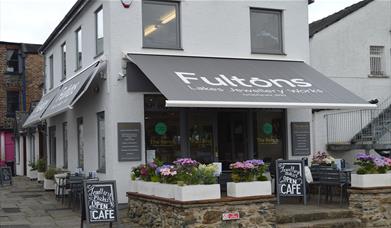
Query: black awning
{"x": 242, "y": 83}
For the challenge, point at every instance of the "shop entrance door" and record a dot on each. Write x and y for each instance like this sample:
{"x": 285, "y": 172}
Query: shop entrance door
{"x": 232, "y": 137}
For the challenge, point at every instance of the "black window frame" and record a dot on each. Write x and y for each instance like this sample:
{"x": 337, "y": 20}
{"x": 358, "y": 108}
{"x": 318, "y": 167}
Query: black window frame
{"x": 255, "y": 50}
{"x": 97, "y": 52}
{"x": 17, "y": 60}
{"x": 10, "y": 103}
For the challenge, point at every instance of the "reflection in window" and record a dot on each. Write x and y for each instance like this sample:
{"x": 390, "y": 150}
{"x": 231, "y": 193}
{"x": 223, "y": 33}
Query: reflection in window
{"x": 99, "y": 30}
{"x": 64, "y": 60}
{"x": 12, "y": 61}
{"x": 101, "y": 142}
{"x": 161, "y": 24}
{"x": 201, "y": 137}
{"x": 12, "y": 103}
{"x": 79, "y": 49}
{"x": 65, "y": 143}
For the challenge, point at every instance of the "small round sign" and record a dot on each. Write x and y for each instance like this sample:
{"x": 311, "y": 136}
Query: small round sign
{"x": 267, "y": 128}
{"x": 160, "y": 128}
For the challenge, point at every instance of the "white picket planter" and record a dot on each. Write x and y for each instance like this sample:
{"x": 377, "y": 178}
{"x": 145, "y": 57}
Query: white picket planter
{"x": 33, "y": 174}
{"x": 371, "y": 180}
{"x": 243, "y": 189}
{"x": 146, "y": 188}
{"x": 48, "y": 184}
{"x": 40, "y": 176}
{"x": 133, "y": 185}
{"x": 197, "y": 192}
{"x": 165, "y": 190}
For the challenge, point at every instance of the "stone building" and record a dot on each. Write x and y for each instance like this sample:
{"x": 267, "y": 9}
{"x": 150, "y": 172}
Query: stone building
{"x": 21, "y": 79}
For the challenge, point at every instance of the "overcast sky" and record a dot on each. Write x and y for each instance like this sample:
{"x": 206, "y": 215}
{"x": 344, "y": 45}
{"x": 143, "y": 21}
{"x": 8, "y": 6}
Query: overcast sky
{"x": 31, "y": 21}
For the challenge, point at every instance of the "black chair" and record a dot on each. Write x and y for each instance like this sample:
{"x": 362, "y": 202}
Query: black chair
{"x": 75, "y": 186}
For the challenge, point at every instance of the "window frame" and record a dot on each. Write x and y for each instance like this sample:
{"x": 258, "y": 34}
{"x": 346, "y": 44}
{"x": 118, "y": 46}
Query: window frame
{"x": 100, "y": 117}
{"x": 65, "y": 144}
{"x": 79, "y": 62}
{"x": 80, "y": 135}
{"x": 382, "y": 57}
{"x": 14, "y": 92}
{"x": 18, "y": 70}
{"x": 277, "y": 12}
{"x": 51, "y": 71}
{"x": 63, "y": 61}
{"x": 177, "y": 5}
{"x": 52, "y": 145}
{"x": 99, "y": 9}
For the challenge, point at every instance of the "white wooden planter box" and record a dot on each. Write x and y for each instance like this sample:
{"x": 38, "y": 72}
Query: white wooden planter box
{"x": 165, "y": 190}
{"x": 197, "y": 192}
{"x": 40, "y": 176}
{"x": 371, "y": 180}
{"x": 243, "y": 189}
{"x": 33, "y": 174}
{"x": 48, "y": 184}
{"x": 133, "y": 185}
{"x": 146, "y": 188}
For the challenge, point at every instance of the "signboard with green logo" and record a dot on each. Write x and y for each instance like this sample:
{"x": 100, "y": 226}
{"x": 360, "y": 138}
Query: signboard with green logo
{"x": 160, "y": 128}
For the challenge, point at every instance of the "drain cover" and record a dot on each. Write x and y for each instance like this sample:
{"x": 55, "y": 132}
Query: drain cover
{"x": 11, "y": 210}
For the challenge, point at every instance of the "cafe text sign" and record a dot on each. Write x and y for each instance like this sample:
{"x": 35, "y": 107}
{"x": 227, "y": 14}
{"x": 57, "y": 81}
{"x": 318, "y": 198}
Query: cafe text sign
{"x": 101, "y": 201}
{"x": 129, "y": 141}
{"x": 301, "y": 138}
{"x": 290, "y": 179}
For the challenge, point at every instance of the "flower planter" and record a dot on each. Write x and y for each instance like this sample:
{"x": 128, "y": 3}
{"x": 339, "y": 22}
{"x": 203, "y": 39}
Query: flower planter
{"x": 57, "y": 183}
{"x": 48, "y": 184}
{"x": 165, "y": 190}
{"x": 371, "y": 180}
{"x": 33, "y": 174}
{"x": 197, "y": 192}
{"x": 133, "y": 185}
{"x": 40, "y": 176}
{"x": 146, "y": 188}
{"x": 243, "y": 189}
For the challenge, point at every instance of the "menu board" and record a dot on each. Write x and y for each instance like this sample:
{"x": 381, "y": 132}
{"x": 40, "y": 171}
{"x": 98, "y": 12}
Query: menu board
{"x": 290, "y": 179}
{"x": 301, "y": 138}
{"x": 5, "y": 175}
{"x": 101, "y": 201}
{"x": 129, "y": 141}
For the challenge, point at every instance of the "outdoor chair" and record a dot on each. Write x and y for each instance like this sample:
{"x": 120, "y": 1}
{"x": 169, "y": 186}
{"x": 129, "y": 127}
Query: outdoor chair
{"x": 75, "y": 185}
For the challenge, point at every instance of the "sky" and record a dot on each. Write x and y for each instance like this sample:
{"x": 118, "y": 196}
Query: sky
{"x": 32, "y": 21}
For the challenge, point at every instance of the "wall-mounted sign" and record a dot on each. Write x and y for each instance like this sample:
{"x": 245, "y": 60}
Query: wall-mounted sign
{"x": 301, "y": 138}
{"x": 129, "y": 141}
{"x": 100, "y": 201}
{"x": 160, "y": 128}
{"x": 290, "y": 179}
{"x": 231, "y": 216}
{"x": 5, "y": 175}
{"x": 267, "y": 128}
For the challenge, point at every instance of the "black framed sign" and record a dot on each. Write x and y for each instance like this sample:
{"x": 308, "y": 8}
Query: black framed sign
{"x": 129, "y": 141}
{"x": 5, "y": 175}
{"x": 101, "y": 204}
{"x": 301, "y": 138}
{"x": 290, "y": 179}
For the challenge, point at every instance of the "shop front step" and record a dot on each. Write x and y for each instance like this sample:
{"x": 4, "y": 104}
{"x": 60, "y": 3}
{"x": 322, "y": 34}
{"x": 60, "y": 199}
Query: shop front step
{"x": 325, "y": 223}
{"x": 311, "y": 214}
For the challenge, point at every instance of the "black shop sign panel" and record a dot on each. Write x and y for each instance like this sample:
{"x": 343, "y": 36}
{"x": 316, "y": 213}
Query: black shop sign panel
{"x": 5, "y": 175}
{"x": 290, "y": 179}
{"x": 301, "y": 138}
{"x": 101, "y": 204}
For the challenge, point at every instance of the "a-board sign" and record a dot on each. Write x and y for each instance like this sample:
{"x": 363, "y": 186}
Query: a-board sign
{"x": 129, "y": 141}
{"x": 101, "y": 204}
{"x": 290, "y": 179}
{"x": 5, "y": 175}
{"x": 301, "y": 138}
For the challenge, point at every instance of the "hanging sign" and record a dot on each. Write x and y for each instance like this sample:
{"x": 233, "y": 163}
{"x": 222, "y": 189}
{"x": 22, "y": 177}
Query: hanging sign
{"x": 5, "y": 175}
{"x": 290, "y": 179}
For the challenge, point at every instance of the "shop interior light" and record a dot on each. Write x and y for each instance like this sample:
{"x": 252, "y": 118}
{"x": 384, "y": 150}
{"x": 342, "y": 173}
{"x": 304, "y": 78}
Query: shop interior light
{"x": 150, "y": 29}
{"x": 169, "y": 17}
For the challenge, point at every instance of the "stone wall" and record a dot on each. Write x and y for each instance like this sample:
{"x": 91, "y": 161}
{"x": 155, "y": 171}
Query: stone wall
{"x": 372, "y": 206}
{"x": 149, "y": 211}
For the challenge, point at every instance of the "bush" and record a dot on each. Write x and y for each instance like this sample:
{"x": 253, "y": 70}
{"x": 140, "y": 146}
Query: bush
{"x": 49, "y": 174}
{"x": 33, "y": 166}
{"x": 41, "y": 165}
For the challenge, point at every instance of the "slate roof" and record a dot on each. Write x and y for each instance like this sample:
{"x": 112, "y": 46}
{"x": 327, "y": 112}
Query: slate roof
{"x": 25, "y": 47}
{"x": 321, "y": 24}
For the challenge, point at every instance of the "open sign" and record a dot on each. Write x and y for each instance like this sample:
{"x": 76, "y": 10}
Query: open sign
{"x": 231, "y": 216}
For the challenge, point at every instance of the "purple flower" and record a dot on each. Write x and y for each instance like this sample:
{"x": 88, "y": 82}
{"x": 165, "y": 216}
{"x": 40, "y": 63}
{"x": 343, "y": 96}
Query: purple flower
{"x": 379, "y": 162}
{"x": 364, "y": 157}
{"x": 152, "y": 165}
{"x": 255, "y": 162}
{"x": 186, "y": 162}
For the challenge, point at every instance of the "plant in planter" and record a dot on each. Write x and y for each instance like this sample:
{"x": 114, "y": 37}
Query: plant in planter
{"x": 248, "y": 179}
{"x": 41, "y": 168}
{"x": 33, "y": 171}
{"x": 371, "y": 172}
{"x": 167, "y": 174}
{"x": 48, "y": 183}
{"x": 149, "y": 177}
{"x": 134, "y": 177}
{"x": 322, "y": 158}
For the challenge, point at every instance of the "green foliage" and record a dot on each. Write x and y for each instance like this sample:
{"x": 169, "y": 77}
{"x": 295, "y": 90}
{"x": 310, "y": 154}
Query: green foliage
{"x": 49, "y": 174}
{"x": 33, "y": 166}
{"x": 41, "y": 165}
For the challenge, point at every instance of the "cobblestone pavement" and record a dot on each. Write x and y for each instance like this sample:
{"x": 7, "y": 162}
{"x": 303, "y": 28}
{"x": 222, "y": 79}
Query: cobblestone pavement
{"x": 26, "y": 204}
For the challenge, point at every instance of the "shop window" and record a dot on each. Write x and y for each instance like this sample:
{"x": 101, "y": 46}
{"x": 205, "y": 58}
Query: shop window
{"x": 269, "y": 135}
{"x": 266, "y": 31}
{"x": 79, "y": 49}
{"x": 51, "y": 72}
{"x": 12, "y": 61}
{"x": 64, "y": 61}
{"x": 12, "y": 103}
{"x": 52, "y": 146}
{"x": 65, "y": 143}
{"x": 161, "y": 27}
{"x": 162, "y": 129}
{"x": 376, "y": 60}
{"x": 99, "y": 31}
{"x": 101, "y": 142}
{"x": 80, "y": 142}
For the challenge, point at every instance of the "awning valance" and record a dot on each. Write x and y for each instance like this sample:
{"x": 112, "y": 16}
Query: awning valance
{"x": 242, "y": 83}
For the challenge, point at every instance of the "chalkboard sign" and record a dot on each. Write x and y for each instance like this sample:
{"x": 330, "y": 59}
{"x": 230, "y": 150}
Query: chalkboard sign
{"x": 301, "y": 138}
{"x": 129, "y": 142}
{"x": 290, "y": 179}
{"x": 101, "y": 203}
{"x": 5, "y": 175}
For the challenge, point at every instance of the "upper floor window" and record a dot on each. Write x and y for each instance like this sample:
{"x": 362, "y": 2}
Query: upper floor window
{"x": 376, "y": 59}
{"x": 99, "y": 31}
{"x": 12, "y": 103}
{"x": 12, "y": 61}
{"x": 64, "y": 61}
{"x": 266, "y": 31}
{"x": 79, "y": 49}
{"x": 161, "y": 27}
{"x": 51, "y": 72}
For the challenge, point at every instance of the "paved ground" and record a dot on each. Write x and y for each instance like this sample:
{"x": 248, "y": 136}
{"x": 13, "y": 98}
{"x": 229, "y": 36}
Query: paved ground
{"x": 26, "y": 205}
